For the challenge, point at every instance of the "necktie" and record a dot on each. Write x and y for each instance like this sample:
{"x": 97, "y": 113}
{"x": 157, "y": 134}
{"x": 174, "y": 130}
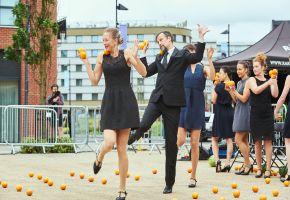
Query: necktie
{"x": 164, "y": 61}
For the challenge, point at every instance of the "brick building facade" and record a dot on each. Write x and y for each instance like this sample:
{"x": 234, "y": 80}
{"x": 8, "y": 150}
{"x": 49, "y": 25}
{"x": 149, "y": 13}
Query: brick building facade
{"x": 8, "y": 69}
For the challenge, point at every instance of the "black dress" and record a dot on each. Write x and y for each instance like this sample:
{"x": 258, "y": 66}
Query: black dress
{"x": 223, "y": 114}
{"x": 261, "y": 117}
{"x": 119, "y": 106}
{"x": 287, "y": 121}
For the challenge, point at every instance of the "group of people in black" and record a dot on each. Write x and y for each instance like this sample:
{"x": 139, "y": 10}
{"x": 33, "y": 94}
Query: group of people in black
{"x": 178, "y": 97}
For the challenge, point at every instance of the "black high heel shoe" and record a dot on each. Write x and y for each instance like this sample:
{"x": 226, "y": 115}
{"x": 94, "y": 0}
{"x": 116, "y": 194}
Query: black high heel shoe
{"x": 242, "y": 169}
{"x": 218, "y": 167}
{"x": 97, "y": 167}
{"x": 259, "y": 173}
{"x": 120, "y": 197}
{"x": 282, "y": 179}
{"x": 226, "y": 168}
{"x": 250, "y": 169}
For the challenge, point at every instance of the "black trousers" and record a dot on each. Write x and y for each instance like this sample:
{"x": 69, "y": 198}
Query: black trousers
{"x": 170, "y": 116}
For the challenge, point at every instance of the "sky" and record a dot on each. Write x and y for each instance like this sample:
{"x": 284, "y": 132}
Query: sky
{"x": 249, "y": 20}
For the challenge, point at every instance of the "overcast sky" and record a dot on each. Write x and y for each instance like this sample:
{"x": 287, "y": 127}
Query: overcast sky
{"x": 249, "y": 20}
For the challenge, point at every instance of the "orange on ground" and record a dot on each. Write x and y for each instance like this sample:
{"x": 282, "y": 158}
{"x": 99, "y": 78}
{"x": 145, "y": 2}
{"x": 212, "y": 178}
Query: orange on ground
{"x": 45, "y": 180}
{"x": 104, "y": 181}
{"x": 71, "y": 173}
{"x": 267, "y": 180}
{"x": 29, "y": 192}
{"x": 215, "y": 189}
{"x": 128, "y": 174}
{"x": 39, "y": 176}
{"x": 234, "y": 185}
{"x": 237, "y": 168}
{"x": 91, "y": 179}
{"x": 117, "y": 172}
{"x": 4, "y": 184}
{"x": 275, "y": 193}
{"x": 194, "y": 195}
{"x": 30, "y": 174}
{"x": 189, "y": 170}
{"x": 263, "y": 197}
{"x": 63, "y": 186}
{"x": 236, "y": 194}
{"x": 154, "y": 171}
{"x": 137, "y": 177}
{"x": 82, "y": 175}
{"x": 286, "y": 183}
{"x": 255, "y": 188}
{"x": 222, "y": 198}
{"x": 50, "y": 183}
{"x": 18, "y": 188}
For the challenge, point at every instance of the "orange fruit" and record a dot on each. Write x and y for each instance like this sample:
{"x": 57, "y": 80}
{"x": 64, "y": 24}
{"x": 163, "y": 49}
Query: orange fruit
{"x": 286, "y": 183}
{"x": 146, "y": 42}
{"x": 128, "y": 174}
{"x": 237, "y": 168}
{"x": 154, "y": 171}
{"x": 275, "y": 193}
{"x": 63, "y": 186}
{"x": 194, "y": 195}
{"x": 234, "y": 185}
{"x": 222, "y": 198}
{"x": 141, "y": 45}
{"x": 161, "y": 52}
{"x": 255, "y": 188}
{"x": 82, "y": 49}
{"x": 275, "y": 72}
{"x": 104, "y": 181}
{"x": 275, "y": 173}
{"x": 50, "y": 183}
{"x": 82, "y": 175}
{"x": 232, "y": 83}
{"x": 117, "y": 172}
{"x": 137, "y": 178}
{"x": 217, "y": 74}
{"x": 39, "y": 176}
{"x": 29, "y": 192}
{"x": 18, "y": 188}
{"x": 215, "y": 189}
{"x": 236, "y": 194}
{"x": 45, "y": 180}
{"x": 91, "y": 179}
{"x": 189, "y": 170}
{"x": 83, "y": 55}
{"x": 267, "y": 180}
{"x": 4, "y": 184}
{"x": 30, "y": 174}
{"x": 255, "y": 169}
{"x": 215, "y": 82}
{"x": 106, "y": 52}
{"x": 71, "y": 173}
{"x": 263, "y": 197}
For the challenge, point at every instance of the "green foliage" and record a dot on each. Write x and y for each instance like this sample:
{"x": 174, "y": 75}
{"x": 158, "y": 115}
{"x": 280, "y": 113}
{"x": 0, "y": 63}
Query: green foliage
{"x": 36, "y": 29}
{"x": 283, "y": 171}
{"x": 59, "y": 148}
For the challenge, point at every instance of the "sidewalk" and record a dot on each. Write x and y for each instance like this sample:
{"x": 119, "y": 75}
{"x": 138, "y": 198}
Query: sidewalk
{"x": 14, "y": 169}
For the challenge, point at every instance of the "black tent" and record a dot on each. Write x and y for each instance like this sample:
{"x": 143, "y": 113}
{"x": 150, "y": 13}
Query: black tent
{"x": 275, "y": 44}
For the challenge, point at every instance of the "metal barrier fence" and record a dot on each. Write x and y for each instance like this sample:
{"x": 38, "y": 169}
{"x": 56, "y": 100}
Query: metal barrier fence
{"x": 2, "y": 141}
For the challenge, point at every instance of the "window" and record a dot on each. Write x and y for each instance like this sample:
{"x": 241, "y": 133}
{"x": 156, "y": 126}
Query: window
{"x": 63, "y": 53}
{"x": 79, "y": 96}
{"x": 184, "y": 38}
{"x": 63, "y": 68}
{"x": 79, "y": 38}
{"x": 79, "y": 82}
{"x": 6, "y": 16}
{"x": 95, "y": 38}
{"x": 174, "y": 38}
{"x": 64, "y": 97}
{"x": 140, "y": 96}
{"x": 79, "y": 68}
{"x": 140, "y": 81}
{"x": 95, "y": 52}
{"x": 140, "y": 38}
{"x": 61, "y": 82}
{"x": 95, "y": 96}
{"x": 93, "y": 66}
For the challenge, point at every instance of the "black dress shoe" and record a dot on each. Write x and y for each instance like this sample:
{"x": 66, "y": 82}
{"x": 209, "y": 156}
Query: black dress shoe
{"x": 167, "y": 189}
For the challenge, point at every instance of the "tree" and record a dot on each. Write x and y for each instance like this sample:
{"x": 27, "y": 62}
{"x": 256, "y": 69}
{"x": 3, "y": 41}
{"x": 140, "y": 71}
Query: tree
{"x": 32, "y": 41}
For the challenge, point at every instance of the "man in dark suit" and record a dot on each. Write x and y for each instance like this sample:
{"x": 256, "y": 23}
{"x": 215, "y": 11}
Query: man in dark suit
{"x": 168, "y": 96}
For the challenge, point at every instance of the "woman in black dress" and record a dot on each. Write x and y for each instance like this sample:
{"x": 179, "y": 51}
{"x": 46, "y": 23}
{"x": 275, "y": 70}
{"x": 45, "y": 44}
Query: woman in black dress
{"x": 223, "y": 119}
{"x": 119, "y": 111}
{"x": 287, "y": 121}
{"x": 261, "y": 116}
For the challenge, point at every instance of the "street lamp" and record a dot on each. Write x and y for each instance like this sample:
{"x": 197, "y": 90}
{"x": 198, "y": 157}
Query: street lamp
{"x": 227, "y": 31}
{"x": 119, "y": 7}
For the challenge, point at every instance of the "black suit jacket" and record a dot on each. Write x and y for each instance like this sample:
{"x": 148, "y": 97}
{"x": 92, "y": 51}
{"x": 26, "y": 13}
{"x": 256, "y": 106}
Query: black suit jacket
{"x": 170, "y": 80}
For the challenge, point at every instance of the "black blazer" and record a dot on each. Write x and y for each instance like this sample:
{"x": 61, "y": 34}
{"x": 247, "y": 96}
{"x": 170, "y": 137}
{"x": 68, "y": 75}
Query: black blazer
{"x": 170, "y": 81}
